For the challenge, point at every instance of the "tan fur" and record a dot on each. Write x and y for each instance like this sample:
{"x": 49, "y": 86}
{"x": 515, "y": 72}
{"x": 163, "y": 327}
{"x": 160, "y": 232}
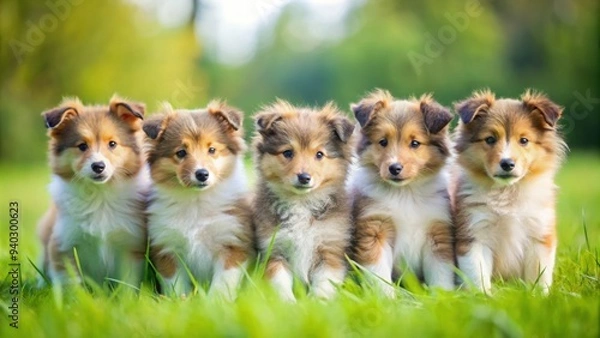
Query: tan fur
{"x": 273, "y": 266}
{"x": 94, "y": 126}
{"x": 58, "y": 259}
{"x": 311, "y": 225}
{"x": 112, "y": 132}
{"x": 411, "y": 134}
{"x": 523, "y": 131}
{"x": 45, "y": 227}
{"x": 443, "y": 240}
{"x": 234, "y": 256}
{"x": 165, "y": 263}
{"x": 208, "y": 224}
{"x": 182, "y": 133}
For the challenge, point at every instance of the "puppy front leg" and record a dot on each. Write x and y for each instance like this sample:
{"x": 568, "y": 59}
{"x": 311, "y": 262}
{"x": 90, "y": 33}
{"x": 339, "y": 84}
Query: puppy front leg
{"x": 374, "y": 251}
{"x": 281, "y": 278}
{"x": 178, "y": 284}
{"x": 60, "y": 264}
{"x": 228, "y": 274}
{"x": 539, "y": 264}
{"x": 476, "y": 264}
{"x": 132, "y": 268}
{"x": 328, "y": 274}
{"x": 438, "y": 257}
{"x": 438, "y": 271}
{"x": 173, "y": 279}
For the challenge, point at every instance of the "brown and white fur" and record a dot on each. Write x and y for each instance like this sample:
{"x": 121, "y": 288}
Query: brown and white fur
{"x": 199, "y": 216}
{"x": 98, "y": 190}
{"x": 302, "y": 157}
{"x": 508, "y": 153}
{"x": 401, "y": 202}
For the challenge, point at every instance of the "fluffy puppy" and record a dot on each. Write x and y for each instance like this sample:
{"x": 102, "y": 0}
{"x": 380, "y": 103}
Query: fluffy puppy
{"x": 199, "y": 218}
{"x": 301, "y": 211}
{"x": 508, "y": 152}
{"x": 98, "y": 190}
{"x": 401, "y": 203}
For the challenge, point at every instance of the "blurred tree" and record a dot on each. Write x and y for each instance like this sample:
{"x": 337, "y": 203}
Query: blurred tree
{"x": 459, "y": 46}
{"x": 92, "y": 49}
{"x": 89, "y": 49}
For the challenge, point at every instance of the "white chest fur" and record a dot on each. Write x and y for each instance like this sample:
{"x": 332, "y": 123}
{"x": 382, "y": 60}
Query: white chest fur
{"x": 412, "y": 208}
{"x": 509, "y": 220}
{"x": 102, "y": 221}
{"x": 304, "y": 228}
{"x": 194, "y": 225}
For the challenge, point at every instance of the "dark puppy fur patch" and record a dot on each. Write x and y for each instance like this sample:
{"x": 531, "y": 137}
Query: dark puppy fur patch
{"x": 290, "y": 141}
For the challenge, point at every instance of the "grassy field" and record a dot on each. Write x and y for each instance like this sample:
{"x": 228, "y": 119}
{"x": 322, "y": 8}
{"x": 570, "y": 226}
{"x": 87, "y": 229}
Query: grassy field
{"x": 571, "y": 309}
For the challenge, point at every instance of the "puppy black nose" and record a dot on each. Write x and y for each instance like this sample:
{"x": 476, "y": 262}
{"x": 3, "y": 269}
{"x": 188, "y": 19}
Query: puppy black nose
{"x": 201, "y": 175}
{"x": 98, "y": 167}
{"x": 304, "y": 178}
{"x": 395, "y": 168}
{"x": 507, "y": 164}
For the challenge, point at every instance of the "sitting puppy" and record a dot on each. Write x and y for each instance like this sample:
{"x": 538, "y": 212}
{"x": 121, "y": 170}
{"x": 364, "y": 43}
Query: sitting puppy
{"x": 400, "y": 190}
{"x": 199, "y": 218}
{"x": 508, "y": 152}
{"x": 302, "y": 213}
{"x": 98, "y": 190}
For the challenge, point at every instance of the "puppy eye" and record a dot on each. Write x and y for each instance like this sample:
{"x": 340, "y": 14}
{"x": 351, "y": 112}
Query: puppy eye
{"x": 288, "y": 154}
{"x": 415, "y": 144}
{"x": 181, "y": 153}
{"x": 212, "y": 150}
{"x": 320, "y": 155}
{"x": 112, "y": 144}
{"x": 490, "y": 140}
{"x": 383, "y": 142}
{"x": 83, "y": 146}
{"x": 523, "y": 141}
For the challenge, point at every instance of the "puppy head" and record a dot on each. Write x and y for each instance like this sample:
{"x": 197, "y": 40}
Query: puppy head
{"x": 402, "y": 140}
{"x": 300, "y": 150}
{"x": 194, "y": 148}
{"x": 505, "y": 140}
{"x": 95, "y": 143}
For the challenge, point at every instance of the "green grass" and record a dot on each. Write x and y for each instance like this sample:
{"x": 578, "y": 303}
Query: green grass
{"x": 571, "y": 309}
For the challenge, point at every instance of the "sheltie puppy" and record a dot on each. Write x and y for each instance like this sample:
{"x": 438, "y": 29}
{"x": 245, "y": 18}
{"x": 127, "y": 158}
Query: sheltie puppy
{"x": 401, "y": 205}
{"x": 98, "y": 189}
{"x": 508, "y": 152}
{"x": 301, "y": 211}
{"x": 199, "y": 216}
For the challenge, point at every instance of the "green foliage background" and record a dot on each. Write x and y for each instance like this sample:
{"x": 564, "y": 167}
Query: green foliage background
{"x": 102, "y": 47}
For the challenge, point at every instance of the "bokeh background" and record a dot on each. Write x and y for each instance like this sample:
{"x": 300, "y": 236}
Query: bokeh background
{"x": 307, "y": 51}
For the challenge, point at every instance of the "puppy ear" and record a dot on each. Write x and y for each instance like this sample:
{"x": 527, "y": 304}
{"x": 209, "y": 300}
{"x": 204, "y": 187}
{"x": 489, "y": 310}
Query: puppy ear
{"x": 343, "y": 128}
{"x": 155, "y": 126}
{"x": 265, "y": 120}
{"x": 230, "y": 117}
{"x": 538, "y": 102}
{"x": 132, "y": 113}
{"x": 435, "y": 115}
{"x": 55, "y": 117}
{"x": 367, "y": 108}
{"x": 474, "y": 106}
